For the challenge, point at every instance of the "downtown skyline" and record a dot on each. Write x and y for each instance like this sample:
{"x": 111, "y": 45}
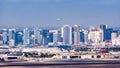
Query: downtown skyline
{"x": 45, "y": 33}
{"x": 56, "y": 13}
{"x": 65, "y": 35}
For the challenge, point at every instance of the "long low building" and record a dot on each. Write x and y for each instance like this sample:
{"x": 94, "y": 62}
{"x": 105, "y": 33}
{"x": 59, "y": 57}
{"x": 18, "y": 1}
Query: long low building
{"x": 44, "y": 50}
{"x": 84, "y": 56}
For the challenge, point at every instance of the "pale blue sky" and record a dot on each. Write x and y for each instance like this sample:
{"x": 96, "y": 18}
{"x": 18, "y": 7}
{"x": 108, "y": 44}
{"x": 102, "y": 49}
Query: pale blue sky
{"x": 59, "y": 12}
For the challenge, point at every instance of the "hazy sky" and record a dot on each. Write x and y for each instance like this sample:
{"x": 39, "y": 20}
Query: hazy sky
{"x": 59, "y": 12}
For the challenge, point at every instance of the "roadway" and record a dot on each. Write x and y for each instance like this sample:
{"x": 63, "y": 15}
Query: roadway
{"x": 58, "y": 62}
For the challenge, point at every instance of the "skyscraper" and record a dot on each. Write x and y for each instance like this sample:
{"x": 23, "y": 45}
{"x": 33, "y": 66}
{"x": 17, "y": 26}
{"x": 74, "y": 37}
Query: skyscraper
{"x": 1, "y": 39}
{"x": 103, "y": 27}
{"x": 37, "y": 37}
{"x": 50, "y": 37}
{"x": 19, "y": 37}
{"x": 45, "y": 36}
{"x": 114, "y": 35}
{"x": 76, "y": 35}
{"x": 82, "y": 36}
{"x": 54, "y": 35}
{"x": 5, "y": 40}
{"x": 108, "y": 34}
{"x": 11, "y": 35}
{"x": 26, "y": 36}
{"x": 67, "y": 34}
{"x": 95, "y": 36}
{"x": 85, "y": 36}
{"x": 59, "y": 38}
{"x": 72, "y": 35}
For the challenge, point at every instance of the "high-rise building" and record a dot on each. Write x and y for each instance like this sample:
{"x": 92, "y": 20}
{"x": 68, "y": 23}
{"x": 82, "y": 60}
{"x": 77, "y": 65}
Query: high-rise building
{"x": 76, "y": 35}
{"x": 31, "y": 37}
{"x": 5, "y": 40}
{"x": 45, "y": 36}
{"x": 103, "y": 27}
{"x": 85, "y": 36}
{"x": 37, "y": 38}
{"x": 95, "y": 36}
{"x": 50, "y": 37}
{"x": 26, "y": 39}
{"x": 12, "y": 42}
{"x": 19, "y": 37}
{"x": 54, "y": 35}
{"x": 1, "y": 39}
{"x": 108, "y": 34}
{"x": 72, "y": 35}
{"x": 82, "y": 37}
{"x": 67, "y": 34}
{"x": 11, "y": 35}
{"x": 115, "y": 39}
{"x": 113, "y": 35}
{"x": 59, "y": 37}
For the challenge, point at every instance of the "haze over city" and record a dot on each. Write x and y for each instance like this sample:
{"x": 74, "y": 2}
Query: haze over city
{"x": 59, "y": 12}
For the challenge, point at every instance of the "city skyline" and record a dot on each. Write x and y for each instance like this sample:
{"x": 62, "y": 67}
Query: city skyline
{"x": 65, "y": 35}
{"x": 55, "y": 13}
{"x": 59, "y": 33}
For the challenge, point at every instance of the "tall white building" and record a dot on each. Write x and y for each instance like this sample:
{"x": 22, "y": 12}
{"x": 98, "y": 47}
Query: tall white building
{"x": 26, "y": 39}
{"x": 115, "y": 38}
{"x": 116, "y": 41}
{"x": 5, "y": 36}
{"x": 76, "y": 35}
{"x": 95, "y": 36}
{"x": 66, "y": 31}
{"x": 37, "y": 38}
{"x": 113, "y": 35}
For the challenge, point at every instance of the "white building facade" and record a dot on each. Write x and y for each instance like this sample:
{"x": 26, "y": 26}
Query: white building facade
{"x": 95, "y": 36}
{"x": 67, "y": 34}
